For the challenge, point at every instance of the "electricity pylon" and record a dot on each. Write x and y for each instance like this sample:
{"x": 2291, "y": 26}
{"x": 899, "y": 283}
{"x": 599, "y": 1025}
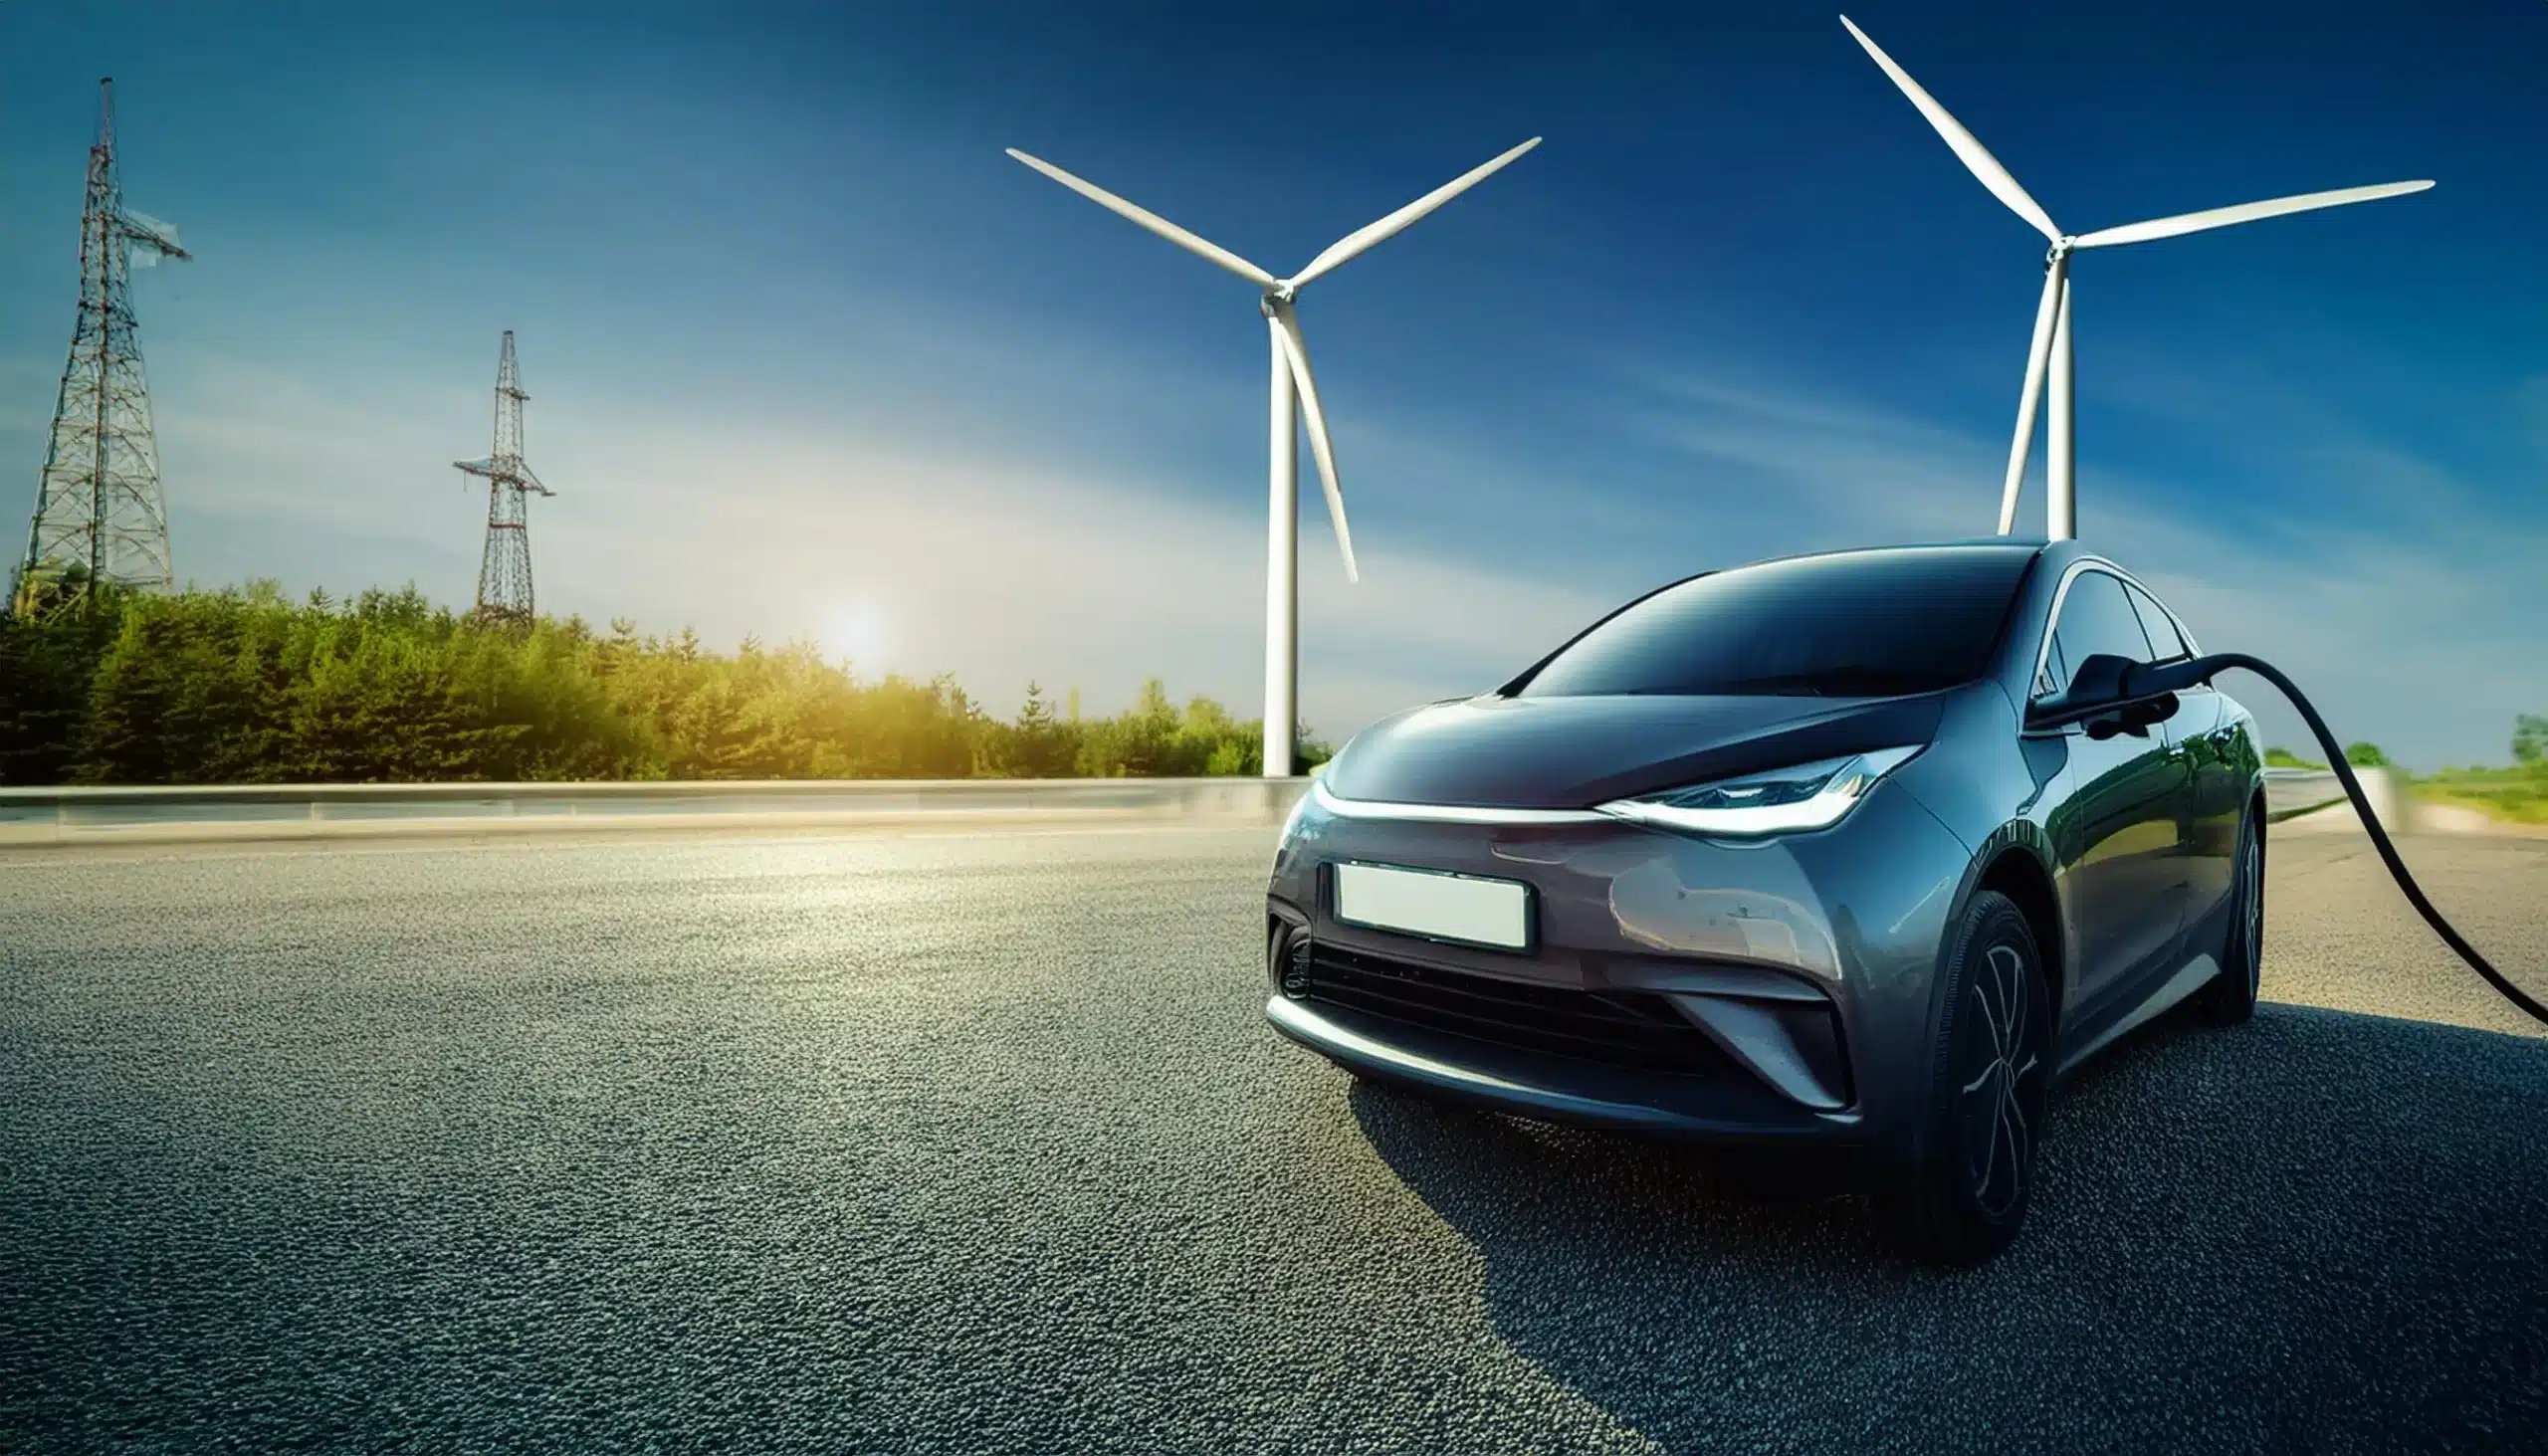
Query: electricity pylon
{"x": 99, "y": 514}
{"x": 504, "y": 572}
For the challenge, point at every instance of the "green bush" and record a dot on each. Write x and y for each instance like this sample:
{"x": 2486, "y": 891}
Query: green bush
{"x": 242, "y": 685}
{"x": 2366, "y": 756}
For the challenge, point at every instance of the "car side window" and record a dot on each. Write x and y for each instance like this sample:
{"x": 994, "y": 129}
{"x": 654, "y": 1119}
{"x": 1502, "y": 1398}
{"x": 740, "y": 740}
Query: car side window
{"x": 2165, "y": 639}
{"x": 2095, "y": 617}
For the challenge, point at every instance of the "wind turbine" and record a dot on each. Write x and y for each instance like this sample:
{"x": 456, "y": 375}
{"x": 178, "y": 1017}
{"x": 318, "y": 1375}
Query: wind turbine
{"x": 1294, "y": 398}
{"x": 2053, "y": 316}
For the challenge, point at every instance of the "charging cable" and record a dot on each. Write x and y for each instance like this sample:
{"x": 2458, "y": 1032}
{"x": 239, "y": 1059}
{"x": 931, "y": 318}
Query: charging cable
{"x": 2146, "y": 679}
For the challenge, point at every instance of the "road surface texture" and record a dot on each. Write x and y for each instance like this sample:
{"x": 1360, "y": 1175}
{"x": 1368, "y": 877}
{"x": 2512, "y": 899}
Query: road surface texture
{"x": 850, "y": 1142}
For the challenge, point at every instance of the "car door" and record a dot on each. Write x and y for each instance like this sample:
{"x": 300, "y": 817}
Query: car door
{"x": 2116, "y": 833}
{"x": 2215, "y": 791}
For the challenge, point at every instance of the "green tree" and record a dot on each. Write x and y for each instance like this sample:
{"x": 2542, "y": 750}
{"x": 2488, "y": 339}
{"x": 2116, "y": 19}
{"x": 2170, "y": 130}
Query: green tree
{"x": 1308, "y": 750}
{"x": 245, "y": 684}
{"x": 47, "y": 666}
{"x": 1040, "y": 745}
{"x": 1138, "y": 743}
{"x": 2366, "y": 756}
{"x": 2529, "y": 737}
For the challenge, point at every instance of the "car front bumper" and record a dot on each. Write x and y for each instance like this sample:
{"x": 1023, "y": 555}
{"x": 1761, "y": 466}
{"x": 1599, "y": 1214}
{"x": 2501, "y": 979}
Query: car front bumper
{"x": 1555, "y": 1089}
{"x": 1770, "y": 991}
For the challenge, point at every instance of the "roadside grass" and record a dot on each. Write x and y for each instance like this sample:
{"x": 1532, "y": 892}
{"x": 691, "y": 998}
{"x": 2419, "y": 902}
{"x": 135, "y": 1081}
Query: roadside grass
{"x": 2518, "y": 795}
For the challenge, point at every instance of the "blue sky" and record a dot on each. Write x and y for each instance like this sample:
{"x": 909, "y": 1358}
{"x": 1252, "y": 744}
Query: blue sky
{"x": 808, "y": 356}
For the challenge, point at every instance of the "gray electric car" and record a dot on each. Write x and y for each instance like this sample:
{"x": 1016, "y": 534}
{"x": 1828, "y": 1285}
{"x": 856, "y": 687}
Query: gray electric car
{"x": 1854, "y": 852}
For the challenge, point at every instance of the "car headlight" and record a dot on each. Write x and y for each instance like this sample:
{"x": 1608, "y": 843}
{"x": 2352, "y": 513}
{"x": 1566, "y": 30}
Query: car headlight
{"x": 1785, "y": 800}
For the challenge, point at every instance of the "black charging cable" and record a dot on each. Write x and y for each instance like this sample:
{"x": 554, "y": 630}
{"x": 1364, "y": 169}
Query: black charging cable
{"x": 2147, "y": 680}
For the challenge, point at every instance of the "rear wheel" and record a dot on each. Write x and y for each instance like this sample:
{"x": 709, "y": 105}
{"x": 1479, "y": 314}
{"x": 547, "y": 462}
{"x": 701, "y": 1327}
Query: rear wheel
{"x": 2230, "y": 997}
{"x": 1960, "y": 1196}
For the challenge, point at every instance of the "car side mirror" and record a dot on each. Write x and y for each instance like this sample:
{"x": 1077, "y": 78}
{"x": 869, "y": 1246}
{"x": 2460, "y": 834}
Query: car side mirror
{"x": 2135, "y": 717}
{"x": 2098, "y": 694}
{"x": 2098, "y": 681}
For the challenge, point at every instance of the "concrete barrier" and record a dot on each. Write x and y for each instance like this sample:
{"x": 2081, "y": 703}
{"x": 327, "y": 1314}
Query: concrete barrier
{"x": 132, "y": 815}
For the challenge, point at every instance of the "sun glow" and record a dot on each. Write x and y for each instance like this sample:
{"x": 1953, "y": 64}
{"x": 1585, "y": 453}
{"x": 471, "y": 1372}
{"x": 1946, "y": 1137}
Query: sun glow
{"x": 859, "y": 632}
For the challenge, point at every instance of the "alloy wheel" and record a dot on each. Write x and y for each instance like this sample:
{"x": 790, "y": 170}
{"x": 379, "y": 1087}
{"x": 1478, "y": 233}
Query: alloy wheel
{"x": 2251, "y": 912}
{"x": 2000, "y": 1065}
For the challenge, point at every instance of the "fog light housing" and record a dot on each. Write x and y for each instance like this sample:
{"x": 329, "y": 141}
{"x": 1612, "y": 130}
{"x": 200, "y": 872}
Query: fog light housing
{"x": 1296, "y": 966}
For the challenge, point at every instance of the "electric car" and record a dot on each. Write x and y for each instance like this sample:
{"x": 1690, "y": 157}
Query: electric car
{"x": 1852, "y": 853}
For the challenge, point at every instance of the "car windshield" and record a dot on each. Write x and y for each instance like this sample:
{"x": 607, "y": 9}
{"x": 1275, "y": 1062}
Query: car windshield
{"x": 1861, "y": 624}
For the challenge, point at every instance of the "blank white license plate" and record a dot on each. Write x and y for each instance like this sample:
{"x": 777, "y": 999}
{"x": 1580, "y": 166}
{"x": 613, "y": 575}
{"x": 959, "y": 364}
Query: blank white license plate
{"x": 1430, "y": 902}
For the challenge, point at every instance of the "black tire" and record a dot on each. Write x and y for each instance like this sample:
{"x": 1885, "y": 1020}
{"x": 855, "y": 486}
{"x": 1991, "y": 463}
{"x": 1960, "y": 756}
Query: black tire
{"x": 1960, "y": 1194}
{"x": 2230, "y": 997}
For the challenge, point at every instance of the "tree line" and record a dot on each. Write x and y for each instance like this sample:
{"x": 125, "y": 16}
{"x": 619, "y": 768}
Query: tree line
{"x": 2529, "y": 752}
{"x": 2518, "y": 792}
{"x": 246, "y": 686}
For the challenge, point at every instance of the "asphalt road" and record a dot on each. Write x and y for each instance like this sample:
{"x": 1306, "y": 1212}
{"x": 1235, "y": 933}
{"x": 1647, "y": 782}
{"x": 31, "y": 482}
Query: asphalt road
{"x": 896, "y": 1142}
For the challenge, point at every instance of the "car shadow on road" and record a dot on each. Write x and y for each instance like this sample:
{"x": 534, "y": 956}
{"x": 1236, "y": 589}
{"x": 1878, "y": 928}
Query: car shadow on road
{"x": 2320, "y": 1231}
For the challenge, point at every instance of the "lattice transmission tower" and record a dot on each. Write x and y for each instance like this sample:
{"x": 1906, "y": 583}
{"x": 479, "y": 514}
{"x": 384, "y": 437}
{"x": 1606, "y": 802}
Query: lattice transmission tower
{"x": 504, "y": 573}
{"x": 99, "y": 514}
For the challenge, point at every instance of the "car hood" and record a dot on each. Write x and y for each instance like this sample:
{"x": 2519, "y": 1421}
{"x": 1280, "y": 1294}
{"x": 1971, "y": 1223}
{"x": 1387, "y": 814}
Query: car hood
{"x": 1574, "y": 753}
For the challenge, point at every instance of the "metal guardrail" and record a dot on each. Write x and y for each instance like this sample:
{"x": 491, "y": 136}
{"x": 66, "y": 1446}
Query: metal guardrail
{"x": 2292, "y": 791}
{"x": 2295, "y": 791}
{"x": 51, "y": 815}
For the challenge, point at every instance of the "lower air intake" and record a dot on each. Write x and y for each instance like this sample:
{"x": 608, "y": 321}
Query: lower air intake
{"x": 1619, "y": 1028}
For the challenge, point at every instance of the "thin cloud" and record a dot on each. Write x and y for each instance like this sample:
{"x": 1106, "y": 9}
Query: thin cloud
{"x": 916, "y": 557}
{"x": 2417, "y": 628}
{"x": 922, "y": 551}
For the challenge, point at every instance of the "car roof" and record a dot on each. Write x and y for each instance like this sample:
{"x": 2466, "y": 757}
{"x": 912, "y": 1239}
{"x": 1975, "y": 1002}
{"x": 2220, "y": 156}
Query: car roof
{"x": 2013, "y": 545}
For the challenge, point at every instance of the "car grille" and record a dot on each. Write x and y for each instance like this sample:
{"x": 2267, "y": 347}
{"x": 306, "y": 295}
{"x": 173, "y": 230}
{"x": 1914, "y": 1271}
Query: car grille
{"x": 1621, "y": 1028}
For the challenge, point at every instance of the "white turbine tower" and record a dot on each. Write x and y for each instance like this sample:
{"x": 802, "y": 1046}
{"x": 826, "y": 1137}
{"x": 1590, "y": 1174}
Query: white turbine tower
{"x": 2053, "y": 316}
{"x": 1295, "y": 398}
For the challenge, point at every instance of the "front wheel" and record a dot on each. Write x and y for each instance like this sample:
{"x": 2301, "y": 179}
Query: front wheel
{"x": 1960, "y": 1196}
{"x": 2230, "y": 997}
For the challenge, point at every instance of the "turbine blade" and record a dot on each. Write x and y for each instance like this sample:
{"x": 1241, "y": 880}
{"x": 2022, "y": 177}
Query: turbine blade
{"x": 1150, "y": 220}
{"x": 2245, "y": 212}
{"x": 2031, "y": 396}
{"x": 1287, "y": 330}
{"x": 1353, "y": 245}
{"x": 1976, "y": 156}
